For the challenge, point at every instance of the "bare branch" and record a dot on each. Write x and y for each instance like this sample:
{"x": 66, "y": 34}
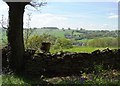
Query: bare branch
{"x": 2, "y": 22}
{"x": 37, "y": 4}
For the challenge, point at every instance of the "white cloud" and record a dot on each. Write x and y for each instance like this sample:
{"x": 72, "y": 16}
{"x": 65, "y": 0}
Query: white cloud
{"x": 117, "y": 0}
{"x": 109, "y": 27}
{"x": 82, "y": 0}
{"x": 99, "y": 27}
{"x": 41, "y": 20}
{"x": 3, "y": 12}
{"x": 3, "y": 9}
{"x": 17, "y": 0}
{"x": 63, "y": 21}
{"x": 113, "y": 16}
{"x": 3, "y": 6}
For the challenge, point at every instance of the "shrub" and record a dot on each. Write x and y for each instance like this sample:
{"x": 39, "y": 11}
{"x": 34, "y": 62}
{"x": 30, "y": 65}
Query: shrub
{"x": 63, "y": 43}
{"x": 34, "y": 42}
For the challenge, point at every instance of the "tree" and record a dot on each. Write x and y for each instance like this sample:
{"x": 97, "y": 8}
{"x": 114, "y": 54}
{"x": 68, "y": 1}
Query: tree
{"x": 15, "y": 33}
{"x": 34, "y": 42}
{"x": 63, "y": 43}
{"x": 69, "y": 28}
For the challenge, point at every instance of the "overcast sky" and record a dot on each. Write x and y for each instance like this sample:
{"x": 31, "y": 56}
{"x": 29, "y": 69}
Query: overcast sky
{"x": 87, "y": 15}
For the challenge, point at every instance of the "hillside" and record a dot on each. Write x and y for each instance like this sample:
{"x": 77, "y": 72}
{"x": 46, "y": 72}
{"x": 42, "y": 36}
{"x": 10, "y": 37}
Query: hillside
{"x": 77, "y": 34}
{"x": 54, "y": 32}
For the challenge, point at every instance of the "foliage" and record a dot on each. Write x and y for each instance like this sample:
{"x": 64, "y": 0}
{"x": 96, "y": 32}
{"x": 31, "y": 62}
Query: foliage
{"x": 27, "y": 34}
{"x": 12, "y": 80}
{"x": 48, "y": 38}
{"x": 63, "y": 43}
{"x": 3, "y": 37}
{"x": 34, "y": 42}
{"x": 57, "y": 43}
{"x": 103, "y": 42}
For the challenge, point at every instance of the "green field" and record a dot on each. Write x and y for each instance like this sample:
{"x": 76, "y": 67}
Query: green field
{"x": 56, "y": 33}
{"x": 85, "y": 49}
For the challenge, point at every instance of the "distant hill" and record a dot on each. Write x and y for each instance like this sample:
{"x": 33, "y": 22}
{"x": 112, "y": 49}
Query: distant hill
{"x": 77, "y": 34}
{"x": 50, "y": 28}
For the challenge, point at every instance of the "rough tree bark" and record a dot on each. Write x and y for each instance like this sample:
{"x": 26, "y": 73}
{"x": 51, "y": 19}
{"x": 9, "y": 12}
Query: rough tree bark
{"x": 15, "y": 34}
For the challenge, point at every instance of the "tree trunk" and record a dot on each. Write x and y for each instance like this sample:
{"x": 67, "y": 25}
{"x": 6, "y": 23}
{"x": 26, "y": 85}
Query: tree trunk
{"x": 15, "y": 35}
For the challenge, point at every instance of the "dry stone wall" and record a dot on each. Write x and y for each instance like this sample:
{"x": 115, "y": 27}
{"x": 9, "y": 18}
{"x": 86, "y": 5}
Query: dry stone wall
{"x": 64, "y": 63}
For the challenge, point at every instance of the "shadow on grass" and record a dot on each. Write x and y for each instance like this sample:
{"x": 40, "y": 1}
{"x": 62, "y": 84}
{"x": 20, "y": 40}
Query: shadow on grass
{"x": 13, "y": 79}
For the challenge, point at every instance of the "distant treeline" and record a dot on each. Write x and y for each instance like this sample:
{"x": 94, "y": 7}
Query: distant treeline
{"x": 90, "y": 34}
{"x": 49, "y": 28}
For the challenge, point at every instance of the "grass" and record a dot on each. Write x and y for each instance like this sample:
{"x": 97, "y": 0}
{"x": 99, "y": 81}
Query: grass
{"x": 85, "y": 49}
{"x": 103, "y": 78}
{"x": 11, "y": 79}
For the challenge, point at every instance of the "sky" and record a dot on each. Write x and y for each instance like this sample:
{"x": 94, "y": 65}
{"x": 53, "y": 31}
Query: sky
{"x": 74, "y": 15}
